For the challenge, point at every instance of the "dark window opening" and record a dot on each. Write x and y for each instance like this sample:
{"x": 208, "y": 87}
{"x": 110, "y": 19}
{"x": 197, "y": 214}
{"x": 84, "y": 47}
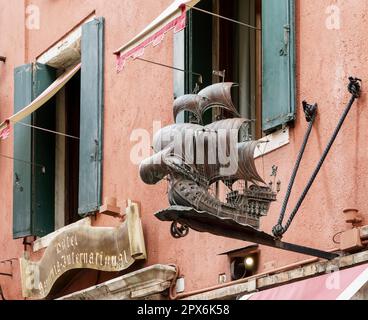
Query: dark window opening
{"x": 214, "y": 44}
{"x": 72, "y": 116}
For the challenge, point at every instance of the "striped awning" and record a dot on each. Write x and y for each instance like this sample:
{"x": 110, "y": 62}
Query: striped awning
{"x": 44, "y": 97}
{"x": 173, "y": 18}
{"x": 337, "y": 285}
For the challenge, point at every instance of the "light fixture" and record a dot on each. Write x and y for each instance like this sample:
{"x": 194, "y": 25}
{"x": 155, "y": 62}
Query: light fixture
{"x": 243, "y": 262}
{"x": 3, "y": 59}
{"x": 249, "y": 262}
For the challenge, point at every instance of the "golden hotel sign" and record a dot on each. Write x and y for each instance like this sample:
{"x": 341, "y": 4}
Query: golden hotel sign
{"x": 84, "y": 247}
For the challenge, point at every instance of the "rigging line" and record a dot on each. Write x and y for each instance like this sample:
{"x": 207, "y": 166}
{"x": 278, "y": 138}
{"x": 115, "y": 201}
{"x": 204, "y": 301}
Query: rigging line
{"x": 26, "y": 162}
{"x": 225, "y": 18}
{"x": 171, "y": 67}
{"x": 47, "y": 130}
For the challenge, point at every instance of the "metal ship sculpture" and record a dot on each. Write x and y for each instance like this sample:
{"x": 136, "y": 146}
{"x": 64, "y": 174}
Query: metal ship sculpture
{"x": 191, "y": 157}
{"x": 196, "y": 158}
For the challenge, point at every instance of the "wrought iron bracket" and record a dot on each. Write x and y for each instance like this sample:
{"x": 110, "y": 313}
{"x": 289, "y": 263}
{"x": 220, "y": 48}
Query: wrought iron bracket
{"x": 354, "y": 88}
{"x": 310, "y": 111}
{"x": 178, "y": 230}
{"x": 184, "y": 218}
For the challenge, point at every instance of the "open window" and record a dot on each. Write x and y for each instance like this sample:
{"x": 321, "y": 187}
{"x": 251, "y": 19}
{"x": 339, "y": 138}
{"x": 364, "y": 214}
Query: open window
{"x": 67, "y": 153}
{"x": 261, "y": 61}
{"x": 59, "y": 178}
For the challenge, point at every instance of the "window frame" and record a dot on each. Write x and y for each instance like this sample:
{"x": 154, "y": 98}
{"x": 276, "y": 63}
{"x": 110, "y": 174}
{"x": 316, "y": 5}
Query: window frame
{"x": 182, "y": 57}
{"x": 25, "y": 217}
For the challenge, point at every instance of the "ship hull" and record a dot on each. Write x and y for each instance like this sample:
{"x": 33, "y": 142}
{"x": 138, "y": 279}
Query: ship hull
{"x": 187, "y": 193}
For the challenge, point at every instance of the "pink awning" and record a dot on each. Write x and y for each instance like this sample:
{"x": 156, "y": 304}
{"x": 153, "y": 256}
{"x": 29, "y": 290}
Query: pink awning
{"x": 174, "y": 17}
{"x": 339, "y": 285}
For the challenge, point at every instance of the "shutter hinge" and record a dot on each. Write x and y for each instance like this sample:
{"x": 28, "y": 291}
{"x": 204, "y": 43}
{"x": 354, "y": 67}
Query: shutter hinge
{"x": 94, "y": 155}
{"x": 17, "y": 182}
{"x": 284, "y": 51}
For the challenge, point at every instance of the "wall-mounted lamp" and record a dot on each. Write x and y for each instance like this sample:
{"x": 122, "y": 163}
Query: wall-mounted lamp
{"x": 243, "y": 262}
{"x": 244, "y": 267}
{"x": 2, "y": 59}
{"x": 249, "y": 262}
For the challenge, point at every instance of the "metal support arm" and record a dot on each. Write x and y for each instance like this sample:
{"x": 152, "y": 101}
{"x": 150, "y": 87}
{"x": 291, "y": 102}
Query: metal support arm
{"x": 354, "y": 88}
{"x": 310, "y": 115}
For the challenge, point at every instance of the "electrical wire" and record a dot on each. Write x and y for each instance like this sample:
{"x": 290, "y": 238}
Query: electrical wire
{"x": 172, "y": 67}
{"x": 26, "y": 162}
{"x": 48, "y": 130}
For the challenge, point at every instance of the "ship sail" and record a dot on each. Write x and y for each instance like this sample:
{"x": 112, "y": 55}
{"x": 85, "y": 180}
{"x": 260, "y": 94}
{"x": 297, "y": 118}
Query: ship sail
{"x": 194, "y": 156}
{"x": 153, "y": 169}
{"x": 217, "y": 95}
{"x": 243, "y": 160}
{"x": 176, "y": 132}
{"x": 191, "y": 103}
{"x": 213, "y": 151}
{"x": 247, "y": 168}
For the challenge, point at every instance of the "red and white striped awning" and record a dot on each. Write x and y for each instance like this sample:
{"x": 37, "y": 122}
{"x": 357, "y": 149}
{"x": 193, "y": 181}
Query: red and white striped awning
{"x": 173, "y": 18}
{"x": 339, "y": 285}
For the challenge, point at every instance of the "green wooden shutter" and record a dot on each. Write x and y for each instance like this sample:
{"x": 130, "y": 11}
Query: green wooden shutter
{"x": 22, "y": 191}
{"x": 43, "y": 179}
{"x": 278, "y": 72}
{"x": 91, "y": 117}
{"x": 33, "y": 186}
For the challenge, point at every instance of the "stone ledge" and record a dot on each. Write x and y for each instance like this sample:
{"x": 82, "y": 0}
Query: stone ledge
{"x": 268, "y": 281}
{"x": 136, "y": 285}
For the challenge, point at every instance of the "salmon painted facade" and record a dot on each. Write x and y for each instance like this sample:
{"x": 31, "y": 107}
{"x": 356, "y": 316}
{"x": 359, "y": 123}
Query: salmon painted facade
{"x": 83, "y": 173}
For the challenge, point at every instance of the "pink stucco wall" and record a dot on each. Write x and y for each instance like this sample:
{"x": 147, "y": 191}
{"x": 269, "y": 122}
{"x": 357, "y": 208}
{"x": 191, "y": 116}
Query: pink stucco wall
{"x": 143, "y": 93}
